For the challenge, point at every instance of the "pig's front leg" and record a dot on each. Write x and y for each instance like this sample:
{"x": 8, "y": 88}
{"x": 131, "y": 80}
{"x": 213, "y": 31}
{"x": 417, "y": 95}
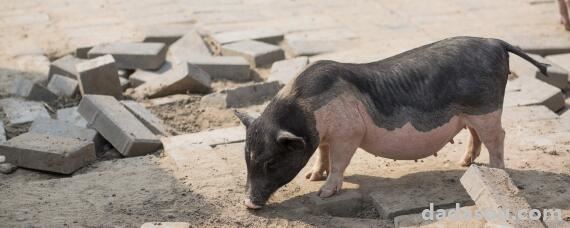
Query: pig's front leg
{"x": 321, "y": 164}
{"x": 340, "y": 154}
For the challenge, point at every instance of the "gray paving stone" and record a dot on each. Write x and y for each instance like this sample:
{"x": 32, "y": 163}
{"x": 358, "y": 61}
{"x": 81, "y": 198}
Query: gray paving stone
{"x": 124, "y": 83}
{"x": 557, "y": 76}
{"x": 64, "y": 66}
{"x": 132, "y": 56}
{"x": 146, "y": 117}
{"x": 234, "y": 68}
{"x": 562, "y": 60}
{"x": 285, "y": 70}
{"x": 271, "y": 36}
{"x": 182, "y": 78}
{"x": 70, "y": 115}
{"x": 83, "y": 52}
{"x": 255, "y": 52}
{"x": 448, "y": 219}
{"x": 389, "y": 202}
{"x": 191, "y": 45}
{"x": 211, "y": 138}
{"x": 99, "y": 76}
{"x": 493, "y": 190}
{"x": 32, "y": 91}
{"x": 344, "y": 204}
{"x": 2, "y": 134}
{"x": 166, "y": 34}
{"x": 48, "y": 153}
{"x": 117, "y": 125}
{"x": 242, "y": 96}
{"x": 310, "y": 47}
{"x": 63, "y": 86}
{"x": 527, "y": 91}
{"x": 48, "y": 126}
{"x": 19, "y": 111}
{"x": 139, "y": 77}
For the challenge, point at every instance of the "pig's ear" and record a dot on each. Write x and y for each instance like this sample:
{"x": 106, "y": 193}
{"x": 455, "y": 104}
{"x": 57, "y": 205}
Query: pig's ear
{"x": 245, "y": 118}
{"x": 290, "y": 140}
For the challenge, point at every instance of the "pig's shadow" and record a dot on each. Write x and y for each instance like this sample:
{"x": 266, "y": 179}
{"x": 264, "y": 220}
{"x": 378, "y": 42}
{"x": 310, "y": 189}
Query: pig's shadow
{"x": 541, "y": 189}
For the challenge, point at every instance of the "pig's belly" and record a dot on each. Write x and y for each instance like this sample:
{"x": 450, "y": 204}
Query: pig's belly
{"x": 407, "y": 143}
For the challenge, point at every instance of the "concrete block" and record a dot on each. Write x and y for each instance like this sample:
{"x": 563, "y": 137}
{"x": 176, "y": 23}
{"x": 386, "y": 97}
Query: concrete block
{"x": 83, "y": 52}
{"x": 70, "y": 115}
{"x": 242, "y": 96}
{"x": 166, "y": 225}
{"x": 191, "y": 45}
{"x": 182, "y": 78}
{"x": 528, "y": 91}
{"x": 124, "y": 83}
{"x": 64, "y": 66}
{"x": 63, "y": 86}
{"x": 166, "y": 34}
{"x": 255, "y": 52}
{"x": 99, "y": 76}
{"x": 210, "y": 138}
{"x": 344, "y": 204}
{"x": 146, "y": 117}
{"x": 32, "y": 91}
{"x": 48, "y": 153}
{"x": 446, "y": 218}
{"x": 494, "y": 191}
{"x": 562, "y": 60}
{"x": 557, "y": 76}
{"x": 117, "y": 125}
{"x": 139, "y": 77}
{"x": 19, "y": 111}
{"x": 234, "y": 68}
{"x": 133, "y": 55}
{"x": 271, "y": 36}
{"x": 47, "y": 126}
{"x": 286, "y": 70}
{"x": 2, "y": 134}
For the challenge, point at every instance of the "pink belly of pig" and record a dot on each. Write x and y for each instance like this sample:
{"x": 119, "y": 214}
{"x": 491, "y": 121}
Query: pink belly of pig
{"x": 407, "y": 143}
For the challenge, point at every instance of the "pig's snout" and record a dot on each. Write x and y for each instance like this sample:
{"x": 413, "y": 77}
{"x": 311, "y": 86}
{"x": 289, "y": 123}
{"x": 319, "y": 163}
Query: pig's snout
{"x": 251, "y": 205}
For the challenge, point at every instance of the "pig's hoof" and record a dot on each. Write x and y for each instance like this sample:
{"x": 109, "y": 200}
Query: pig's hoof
{"x": 315, "y": 176}
{"x": 325, "y": 193}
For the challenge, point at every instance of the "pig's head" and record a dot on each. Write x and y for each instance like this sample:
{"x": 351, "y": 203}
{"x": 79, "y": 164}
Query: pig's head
{"x": 273, "y": 155}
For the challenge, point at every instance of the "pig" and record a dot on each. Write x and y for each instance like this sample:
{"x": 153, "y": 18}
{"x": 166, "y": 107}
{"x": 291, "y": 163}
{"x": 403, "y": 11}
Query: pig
{"x": 404, "y": 107}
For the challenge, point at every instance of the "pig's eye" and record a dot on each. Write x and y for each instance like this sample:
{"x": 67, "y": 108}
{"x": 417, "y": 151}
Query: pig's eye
{"x": 270, "y": 165}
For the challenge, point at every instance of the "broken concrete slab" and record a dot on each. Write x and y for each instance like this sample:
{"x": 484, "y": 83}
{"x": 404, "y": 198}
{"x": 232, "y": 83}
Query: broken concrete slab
{"x": 191, "y": 45}
{"x": 139, "y": 77}
{"x": 211, "y": 138}
{"x": 443, "y": 218}
{"x": 242, "y": 96}
{"x": 32, "y": 91}
{"x": 63, "y": 86}
{"x": 494, "y": 191}
{"x": 117, "y": 125}
{"x": 271, "y": 36}
{"x": 146, "y": 117}
{"x": 19, "y": 111}
{"x": 234, "y": 68}
{"x": 166, "y": 225}
{"x": 48, "y": 152}
{"x": 344, "y": 204}
{"x": 182, "y": 78}
{"x": 527, "y": 91}
{"x": 2, "y": 133}
{"x": 99, "y": 76}
{"x": 64, "y": 66}
{"x": 255, "y": 52}
{"x": 285, "y": 70}
{"x": 132, "y": 56}
{"x": 48, "y": 126}
{"x": 166, "y": 34}
{"x": 70, "y": 115}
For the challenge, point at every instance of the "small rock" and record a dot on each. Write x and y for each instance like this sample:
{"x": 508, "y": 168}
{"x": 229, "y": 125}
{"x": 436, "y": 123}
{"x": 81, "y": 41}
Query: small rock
{"x": 7, "y": 168}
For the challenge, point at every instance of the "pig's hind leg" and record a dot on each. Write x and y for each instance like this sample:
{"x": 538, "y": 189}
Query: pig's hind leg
{"x": 473, "y": 148}
{"x": 489, "y": 129}
{"x": 321, "y": 164}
